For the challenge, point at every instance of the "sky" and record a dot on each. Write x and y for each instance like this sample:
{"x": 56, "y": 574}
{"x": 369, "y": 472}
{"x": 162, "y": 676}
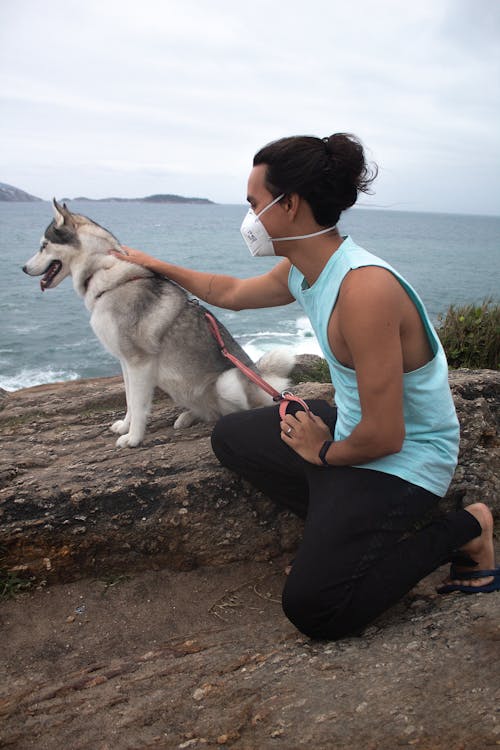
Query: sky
{"x": 118, "y": 98}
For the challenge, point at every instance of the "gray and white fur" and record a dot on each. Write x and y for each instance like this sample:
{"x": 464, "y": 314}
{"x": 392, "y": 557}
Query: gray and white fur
{"x": 158, "y": 333}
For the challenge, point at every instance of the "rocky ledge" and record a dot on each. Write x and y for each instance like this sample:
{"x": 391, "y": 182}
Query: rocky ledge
{"x": 72, "y": 504}
{"x": 193, "y": 650}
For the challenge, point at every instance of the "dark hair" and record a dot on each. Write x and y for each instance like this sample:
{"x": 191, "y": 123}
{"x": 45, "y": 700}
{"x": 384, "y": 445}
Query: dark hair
{"x": 327, "y": 172}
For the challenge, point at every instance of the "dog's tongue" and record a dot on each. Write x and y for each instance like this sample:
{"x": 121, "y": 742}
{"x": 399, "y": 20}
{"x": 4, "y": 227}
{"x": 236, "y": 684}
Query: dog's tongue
{"x": 51, "y": 272}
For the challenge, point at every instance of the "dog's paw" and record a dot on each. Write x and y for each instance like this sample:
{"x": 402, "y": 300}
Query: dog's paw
{"x": 186, "y": 419}
{"x": 120, "y": 427}
{"x": 128, "y": 441}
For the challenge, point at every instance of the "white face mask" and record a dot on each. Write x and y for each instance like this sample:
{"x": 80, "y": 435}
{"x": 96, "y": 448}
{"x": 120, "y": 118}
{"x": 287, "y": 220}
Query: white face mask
{"x": 256, "y": 237}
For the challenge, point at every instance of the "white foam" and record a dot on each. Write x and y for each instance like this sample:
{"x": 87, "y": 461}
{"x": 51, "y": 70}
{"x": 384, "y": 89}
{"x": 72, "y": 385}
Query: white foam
{"x": 28, "y": 378}
{"x": 302, "y": 341}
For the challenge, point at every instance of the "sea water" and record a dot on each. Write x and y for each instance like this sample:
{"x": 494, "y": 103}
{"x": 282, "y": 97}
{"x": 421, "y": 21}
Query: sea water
{"x": 448, "y": 258}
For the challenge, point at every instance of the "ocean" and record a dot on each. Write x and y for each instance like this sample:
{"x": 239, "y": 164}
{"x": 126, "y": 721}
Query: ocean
{"x": 448, "y": 258}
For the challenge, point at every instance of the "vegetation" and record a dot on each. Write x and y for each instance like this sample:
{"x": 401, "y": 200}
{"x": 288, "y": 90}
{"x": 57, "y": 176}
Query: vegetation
{"x": 470, "y": 335}
{"x": 314, "y": 371}
{"x": 10, "y": 583}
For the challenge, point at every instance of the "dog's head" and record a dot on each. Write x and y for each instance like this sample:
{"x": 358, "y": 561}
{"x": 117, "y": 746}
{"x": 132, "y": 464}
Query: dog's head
{"x": 67, "y": 240}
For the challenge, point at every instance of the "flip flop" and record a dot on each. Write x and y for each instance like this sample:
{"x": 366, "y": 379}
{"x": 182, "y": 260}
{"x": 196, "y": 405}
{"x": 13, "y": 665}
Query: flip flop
{"x": 465, "y": 575}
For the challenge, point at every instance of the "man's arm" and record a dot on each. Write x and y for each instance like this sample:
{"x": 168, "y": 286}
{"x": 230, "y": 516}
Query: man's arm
{"x": 369, "y": 315}
{"x": 268, "y": 290}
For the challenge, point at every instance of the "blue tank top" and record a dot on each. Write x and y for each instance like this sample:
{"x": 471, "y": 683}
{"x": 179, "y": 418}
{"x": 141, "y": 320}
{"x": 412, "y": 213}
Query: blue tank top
{"x": 429, "y": 454}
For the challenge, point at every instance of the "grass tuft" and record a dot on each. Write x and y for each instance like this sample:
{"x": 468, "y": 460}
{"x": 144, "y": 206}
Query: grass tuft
{"x": 470, "y": 335}
{"x": 11, "y": 584}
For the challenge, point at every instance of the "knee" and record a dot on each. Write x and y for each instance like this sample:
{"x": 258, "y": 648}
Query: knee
{"x": 304, "y": 608}
{"x": 313, "y": 612}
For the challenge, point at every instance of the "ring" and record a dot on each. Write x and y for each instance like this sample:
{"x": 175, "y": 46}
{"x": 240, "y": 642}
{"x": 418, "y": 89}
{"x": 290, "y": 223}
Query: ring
{"x": 289, "y": 431}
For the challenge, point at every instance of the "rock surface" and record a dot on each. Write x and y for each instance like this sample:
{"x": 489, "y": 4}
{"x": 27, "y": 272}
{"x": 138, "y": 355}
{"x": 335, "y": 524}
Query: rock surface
{"x": 205, "y": 658}
{"x": 71, "y": 504}
{"x": 168, "y": 632}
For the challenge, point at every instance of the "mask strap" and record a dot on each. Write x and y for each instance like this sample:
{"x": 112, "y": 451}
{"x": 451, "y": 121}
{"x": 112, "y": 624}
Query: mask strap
{"x": 270, "y": 204}
{"x": 304, "y": 236}
{"x": 299, "y": 237}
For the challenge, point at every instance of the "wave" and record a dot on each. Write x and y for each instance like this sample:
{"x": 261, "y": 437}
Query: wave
{"x": 300, "y": 341}
{"x": 28, "y": 378}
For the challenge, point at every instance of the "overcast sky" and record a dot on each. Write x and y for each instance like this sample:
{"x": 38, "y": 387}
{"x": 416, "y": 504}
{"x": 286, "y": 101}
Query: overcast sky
{"x": 113, "y": 97}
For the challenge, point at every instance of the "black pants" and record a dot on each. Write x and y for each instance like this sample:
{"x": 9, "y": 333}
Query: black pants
{"x": 356, "y": 558}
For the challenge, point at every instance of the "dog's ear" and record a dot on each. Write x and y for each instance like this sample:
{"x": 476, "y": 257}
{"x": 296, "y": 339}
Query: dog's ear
{"x": 61, "y": 213}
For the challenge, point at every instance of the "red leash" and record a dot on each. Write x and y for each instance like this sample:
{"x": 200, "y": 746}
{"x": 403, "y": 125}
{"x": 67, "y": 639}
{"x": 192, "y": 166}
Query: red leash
{"x": 284, "y": 398}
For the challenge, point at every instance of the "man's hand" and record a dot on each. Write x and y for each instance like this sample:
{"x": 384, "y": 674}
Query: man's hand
{"x": 134, "y": 256}
{"x": 305, "y": 433}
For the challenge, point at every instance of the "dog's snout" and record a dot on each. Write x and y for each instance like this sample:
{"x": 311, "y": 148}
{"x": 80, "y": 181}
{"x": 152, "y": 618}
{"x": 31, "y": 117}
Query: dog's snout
{"x": 25, "y": 269}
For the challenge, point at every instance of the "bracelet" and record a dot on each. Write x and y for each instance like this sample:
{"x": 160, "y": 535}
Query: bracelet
{"x": 323, "y": 451}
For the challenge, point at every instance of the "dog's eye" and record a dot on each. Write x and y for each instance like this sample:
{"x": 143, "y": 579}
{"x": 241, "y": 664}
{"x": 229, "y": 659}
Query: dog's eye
{"x": 43, "y": 245}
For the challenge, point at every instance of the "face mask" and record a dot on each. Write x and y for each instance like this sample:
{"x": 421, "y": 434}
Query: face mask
{"x": 254, "y": 232}
{"x": 256, "y": 237}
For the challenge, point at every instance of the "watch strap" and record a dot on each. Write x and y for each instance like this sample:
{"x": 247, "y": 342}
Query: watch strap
{"x": 323, "y": 451}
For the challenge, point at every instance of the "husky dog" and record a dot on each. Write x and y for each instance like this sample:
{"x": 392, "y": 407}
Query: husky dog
{"x": 158, "y": 333}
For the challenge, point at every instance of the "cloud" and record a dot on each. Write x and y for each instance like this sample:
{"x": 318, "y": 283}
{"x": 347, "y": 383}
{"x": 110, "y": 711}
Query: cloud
{"x": 180, "y": 94}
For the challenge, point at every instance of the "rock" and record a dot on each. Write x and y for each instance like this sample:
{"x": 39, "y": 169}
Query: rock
{"x": 152, "y": 667}
{"x": 73, "y": 505}
{"x": 3, "y": 396}
{"x": 204, "y": 657}
{"x": 477, "y": 400}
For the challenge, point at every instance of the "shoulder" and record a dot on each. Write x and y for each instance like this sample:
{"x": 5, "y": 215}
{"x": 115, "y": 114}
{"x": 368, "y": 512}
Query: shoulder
{"x": 368, "y": 282}
{"x": 371, "y": 296}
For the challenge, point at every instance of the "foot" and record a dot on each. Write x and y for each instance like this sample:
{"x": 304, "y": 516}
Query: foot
{"x": 121, "y": 426}
{"x": 186, "y": 419}
{"x": 480, "y": 549}
{"x": 129, "y": 441}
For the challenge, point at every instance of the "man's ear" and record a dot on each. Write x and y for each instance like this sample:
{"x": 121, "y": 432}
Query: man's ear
{"x": 292, "y": 203}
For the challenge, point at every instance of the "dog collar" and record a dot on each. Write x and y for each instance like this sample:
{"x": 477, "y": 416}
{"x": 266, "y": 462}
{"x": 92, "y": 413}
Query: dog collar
{"x": 133, "y": 278}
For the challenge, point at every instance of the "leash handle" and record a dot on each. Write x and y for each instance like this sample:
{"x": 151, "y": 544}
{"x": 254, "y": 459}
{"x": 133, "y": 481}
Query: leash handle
{"x": 285, "y": 398}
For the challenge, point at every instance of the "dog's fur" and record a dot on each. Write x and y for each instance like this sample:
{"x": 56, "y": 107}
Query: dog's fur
{"x": 158, "y": 333}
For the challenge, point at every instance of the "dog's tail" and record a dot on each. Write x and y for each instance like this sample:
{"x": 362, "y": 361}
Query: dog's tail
{"x": 275, "y": 367}
{"x": 278, "y": 362}
{"x": 235, "y": 391}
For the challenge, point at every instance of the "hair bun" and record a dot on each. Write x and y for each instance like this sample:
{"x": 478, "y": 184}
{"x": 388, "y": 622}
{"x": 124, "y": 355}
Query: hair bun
{"x": 348, "y": 160}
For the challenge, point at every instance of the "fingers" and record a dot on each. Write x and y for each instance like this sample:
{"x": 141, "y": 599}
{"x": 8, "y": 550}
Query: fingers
{"x": 122, "y": 254}
{"x": 128, "y": 254}
{"x": 291, "y": 424}
{"x": 294, "y": 420}
{"x": 301, "y": 425}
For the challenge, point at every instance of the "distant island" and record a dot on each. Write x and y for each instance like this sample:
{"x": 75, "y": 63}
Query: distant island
{"x": 11, "y": 194}
{"x": 160, "y": 198}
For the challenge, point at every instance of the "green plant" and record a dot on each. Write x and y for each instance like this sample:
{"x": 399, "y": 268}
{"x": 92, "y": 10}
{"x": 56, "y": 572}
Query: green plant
{"x": 11, "y": 584}
{"x": 470, "y": 335}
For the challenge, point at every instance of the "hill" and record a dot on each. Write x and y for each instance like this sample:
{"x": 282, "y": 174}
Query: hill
{"x": 159, "y": 198}
{"x": 12, "y": 194}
